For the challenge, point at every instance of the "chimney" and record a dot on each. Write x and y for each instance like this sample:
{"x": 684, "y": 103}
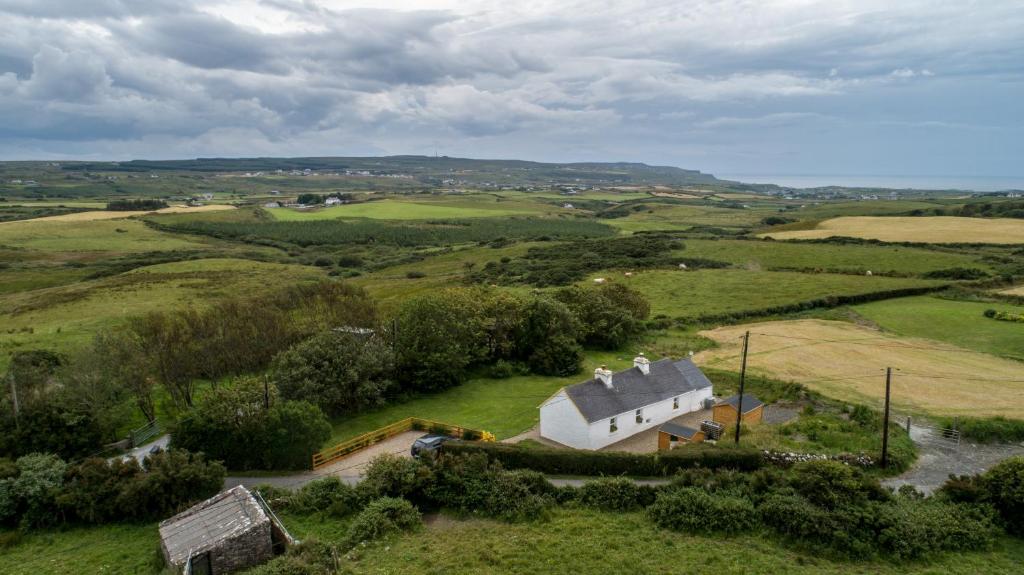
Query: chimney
{"x": 643, "y": 363}
{"x": 604, "y": 375}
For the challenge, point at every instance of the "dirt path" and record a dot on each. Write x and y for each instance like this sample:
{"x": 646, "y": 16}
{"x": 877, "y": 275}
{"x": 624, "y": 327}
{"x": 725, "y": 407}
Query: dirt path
{"x": 938, "y": 458}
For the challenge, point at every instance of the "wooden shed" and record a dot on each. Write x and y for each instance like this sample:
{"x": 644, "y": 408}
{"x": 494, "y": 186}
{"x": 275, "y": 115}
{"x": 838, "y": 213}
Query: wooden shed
{"x": 672, "y": 435}
{"x": 725, "y": 411}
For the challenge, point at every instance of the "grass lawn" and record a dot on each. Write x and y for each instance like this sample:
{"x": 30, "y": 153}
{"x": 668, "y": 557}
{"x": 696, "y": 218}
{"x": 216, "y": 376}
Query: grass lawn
{"x": 688, "y": 294}
{"x": 935, "y": 229}
{"x": 587, "y": 541}
{"x": 758, "y": 255}
{"x": 62, "y": 318}
{"x": 958, "y": 322}
{"x": 126, "y": 549}
{"x": 505, "y": 407}
{"x": 416, "y": 210}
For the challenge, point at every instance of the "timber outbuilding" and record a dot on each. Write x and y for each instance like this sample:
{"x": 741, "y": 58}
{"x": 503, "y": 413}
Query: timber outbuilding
{"x": 671, "y": 435}
{"x": 725, "y": 411}
{"x": 229, "y": 532}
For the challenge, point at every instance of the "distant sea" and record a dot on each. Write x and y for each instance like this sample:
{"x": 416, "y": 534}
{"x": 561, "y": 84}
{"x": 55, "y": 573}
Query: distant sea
{"x": 974, "y": 183}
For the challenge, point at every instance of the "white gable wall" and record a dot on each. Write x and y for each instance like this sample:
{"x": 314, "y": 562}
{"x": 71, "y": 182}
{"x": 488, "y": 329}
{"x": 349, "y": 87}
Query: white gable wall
{"x": 560, "y": 421}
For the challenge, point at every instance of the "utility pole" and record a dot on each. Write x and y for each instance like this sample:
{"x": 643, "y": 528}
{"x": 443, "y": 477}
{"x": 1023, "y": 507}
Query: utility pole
{"x": 743, "y": 379}
{"x": 885, "y": 419}
{"x": 14, "y": 397}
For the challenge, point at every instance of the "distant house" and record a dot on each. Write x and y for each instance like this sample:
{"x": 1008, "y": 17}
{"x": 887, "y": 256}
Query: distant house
{"x": 725, "y": 411}
{"x": 568, "y": 206}
{"x": 613, "y": 406}
{"x": 332, "y": 201}
{"x": 671, "y": 435}
{"x": 229, "y": 532}
{"x": 272, "y": 205}
{"x": 275, "y": 192}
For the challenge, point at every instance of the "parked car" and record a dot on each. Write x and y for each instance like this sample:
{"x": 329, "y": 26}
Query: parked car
{"x": 429, "y": 443}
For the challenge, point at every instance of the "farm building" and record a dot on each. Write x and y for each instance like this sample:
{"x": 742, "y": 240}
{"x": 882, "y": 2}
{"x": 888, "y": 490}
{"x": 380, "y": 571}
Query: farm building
{"x": 613, "y": 406}
{"x": 672, "y": 435}
{"x": 229, "y": 532}
{"x": 726, "y": 410}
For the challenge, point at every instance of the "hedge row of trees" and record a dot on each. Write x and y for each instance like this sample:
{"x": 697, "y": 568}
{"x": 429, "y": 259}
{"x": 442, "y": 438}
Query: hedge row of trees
{"x": 42, "y": 490}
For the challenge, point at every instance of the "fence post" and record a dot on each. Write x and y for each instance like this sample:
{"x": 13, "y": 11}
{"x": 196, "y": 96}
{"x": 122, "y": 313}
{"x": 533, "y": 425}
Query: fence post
{"x": 908, "y": 425}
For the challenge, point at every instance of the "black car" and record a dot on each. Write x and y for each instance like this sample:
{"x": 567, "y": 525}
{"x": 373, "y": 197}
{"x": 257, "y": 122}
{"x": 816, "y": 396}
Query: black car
{"x": 428, "y": 443}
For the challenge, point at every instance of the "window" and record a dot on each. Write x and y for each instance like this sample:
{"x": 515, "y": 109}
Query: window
{"x": 675, "y": 403}
{"x": 639, "y": 416}
{"x": 612, "y": 427}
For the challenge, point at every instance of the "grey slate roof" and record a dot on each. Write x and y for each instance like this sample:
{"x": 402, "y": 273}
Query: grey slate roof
{"x": 633, "y": 390}
{"x": 205, "y": 525}
{"x": 678, "y": 430}
{"x": 750, "y": 402}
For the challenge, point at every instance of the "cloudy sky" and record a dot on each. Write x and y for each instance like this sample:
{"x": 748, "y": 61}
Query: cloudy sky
{"x": 726, "y": 86}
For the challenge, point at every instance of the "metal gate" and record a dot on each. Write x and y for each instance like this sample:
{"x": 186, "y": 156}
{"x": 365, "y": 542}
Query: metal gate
{"x": 942, "y": 437}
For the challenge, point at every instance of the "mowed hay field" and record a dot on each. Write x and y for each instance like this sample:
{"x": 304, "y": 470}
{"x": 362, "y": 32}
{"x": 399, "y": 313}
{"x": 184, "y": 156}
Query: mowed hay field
{"x": 711, "y": 292}
{"x": 127, "y": 236}
{"x": 847, "y": 362}
{"x": 932, "y": 230}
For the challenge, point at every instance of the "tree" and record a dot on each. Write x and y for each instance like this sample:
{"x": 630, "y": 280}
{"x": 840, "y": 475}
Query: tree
{"x": 169, "y": 340}
{"x": 438, "y": 336}
{"x": 247, "y": 426}
{"x": 341, "y": 372}
{"x": 125, "y": 361}
{"x": 609, "y": 315}
{"x": 30, "y": 376}
{"x": 549, "y": 339}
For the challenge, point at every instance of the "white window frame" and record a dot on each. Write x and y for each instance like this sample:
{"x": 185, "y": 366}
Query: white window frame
{"x": 675, "y": 402}
{"x": 612, "y": 426}
{"x": 640, "y": 416}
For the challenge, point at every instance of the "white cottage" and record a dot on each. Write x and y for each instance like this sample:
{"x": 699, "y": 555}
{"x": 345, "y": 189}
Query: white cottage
{"x": 614, "y": 406}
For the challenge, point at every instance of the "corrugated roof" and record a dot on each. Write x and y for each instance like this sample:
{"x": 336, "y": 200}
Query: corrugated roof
{"x": 678, "y": 430}
{"x": 632, "y": 390}
{"x": 208, "y": 523}
{"x": 749, "y": 402}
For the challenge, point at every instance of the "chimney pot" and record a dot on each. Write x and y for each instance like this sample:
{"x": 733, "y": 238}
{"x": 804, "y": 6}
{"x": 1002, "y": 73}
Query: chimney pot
{"x": 604, "y": 375}
{"x": 642, "y": 363}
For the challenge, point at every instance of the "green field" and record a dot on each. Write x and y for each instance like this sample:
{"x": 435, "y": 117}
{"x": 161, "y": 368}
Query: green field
{"x": 857, "y": 258}
{"x": 120, "y": 236}
{"x": 690, "y": 294}
{"x": 479, "y": 207}
{"x": 957, "y": 322}
{"x": 61, "y": 318}
{"x": 659, "y": 216}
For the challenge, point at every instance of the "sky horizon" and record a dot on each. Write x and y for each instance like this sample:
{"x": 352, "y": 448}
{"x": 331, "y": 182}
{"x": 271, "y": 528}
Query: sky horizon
{"x": 929, "y": 87}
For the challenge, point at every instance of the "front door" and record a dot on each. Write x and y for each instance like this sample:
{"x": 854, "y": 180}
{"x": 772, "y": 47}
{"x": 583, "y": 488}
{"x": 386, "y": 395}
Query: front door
{"x": 200, "y": 565}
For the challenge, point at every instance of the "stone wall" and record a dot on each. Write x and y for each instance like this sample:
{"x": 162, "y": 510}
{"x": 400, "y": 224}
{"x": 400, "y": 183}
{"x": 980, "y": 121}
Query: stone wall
{"x": 245, "y": 550}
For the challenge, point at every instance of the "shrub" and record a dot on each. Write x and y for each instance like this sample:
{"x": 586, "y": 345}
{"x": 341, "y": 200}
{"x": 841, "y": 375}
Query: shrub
{"x": 990, "y": 313}
{"x": 990, "y": 429}
{"x": 172, "y": 481}
{"x": 909, "y": 528}
{"x": 393, "y": 476}
{"x": 93, "y": 488}
{"x": 830, "y": 484}
{"x": 308, "y": 558}
{"x": 615, "y": 494}
{"x": 32, "y": 494}
{"x": 462, "y": 481}
{"x": 696, "y": 511}
{"x": 1004, "y": 486}
{"x": 512, "y": 496}
{"x": 414, "y": 274}
{"x": 382, "y": 517}
{"x": 957, "y": 273}
{"x": 329, "y": 494}
{"x": 579, "y": 462}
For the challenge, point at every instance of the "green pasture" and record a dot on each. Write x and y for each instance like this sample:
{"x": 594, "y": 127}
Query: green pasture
{"x": 687, "y": 294}
{"x": 957, "y": 322}
{"x": 390, "y": 209}
{"x": 825, "y": 210}
{"x": 63, "y": 318}
{"x": 118, "y": 236}
{"x": 879, "y": 259}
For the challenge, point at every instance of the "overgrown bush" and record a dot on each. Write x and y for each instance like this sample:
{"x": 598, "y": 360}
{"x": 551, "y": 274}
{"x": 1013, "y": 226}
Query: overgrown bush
{"x": 382, "y": 517}
{"x": 989, "y": 429}
{"x": 310, "y": 557}
{"x": 694, "y": 510}
{"x": 330, "y": 495}
{"x": 830, "y": 484}
{"x": 393, "y": 476}
{"x": 512, "y": 496}
{"x": 615, "y": 494}
{"x": 1004, "y": 486}
{"x": 29, "y": 498}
